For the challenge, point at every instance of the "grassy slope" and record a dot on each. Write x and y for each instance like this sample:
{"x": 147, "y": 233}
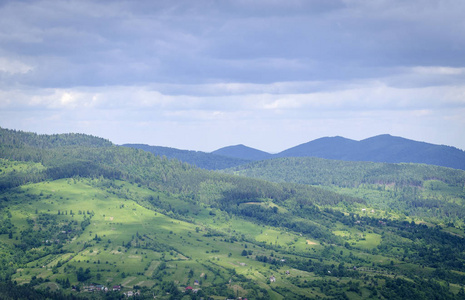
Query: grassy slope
{"x": 120, "y": 220}
{"x": 182, "y": 246}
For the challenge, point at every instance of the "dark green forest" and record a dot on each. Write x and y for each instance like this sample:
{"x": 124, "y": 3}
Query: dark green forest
{"x": 427, "y": 192}
{"x": 200, "y": 159}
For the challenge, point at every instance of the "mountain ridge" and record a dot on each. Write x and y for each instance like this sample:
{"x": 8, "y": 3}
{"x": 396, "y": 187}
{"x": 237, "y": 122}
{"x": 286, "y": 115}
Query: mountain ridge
{"x": 204, "y": 160}
{"x": 380, "y": 148}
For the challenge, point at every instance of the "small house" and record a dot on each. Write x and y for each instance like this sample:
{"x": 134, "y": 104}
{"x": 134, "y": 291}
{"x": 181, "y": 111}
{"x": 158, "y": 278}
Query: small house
{"x": 99, "y": 287}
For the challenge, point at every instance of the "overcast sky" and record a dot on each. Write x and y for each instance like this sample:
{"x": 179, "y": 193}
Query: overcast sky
{"x": 201, "y": 75}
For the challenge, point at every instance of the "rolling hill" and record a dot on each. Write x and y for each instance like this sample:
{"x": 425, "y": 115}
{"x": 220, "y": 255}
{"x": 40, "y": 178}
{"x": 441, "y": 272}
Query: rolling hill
{"x": 204, "y": 160}
{"x": 403, "y": 189}
{"x": 78, "y": 214}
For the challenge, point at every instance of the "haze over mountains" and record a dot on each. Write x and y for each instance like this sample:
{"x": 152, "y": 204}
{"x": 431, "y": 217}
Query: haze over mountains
{"x": 381, "y": 148}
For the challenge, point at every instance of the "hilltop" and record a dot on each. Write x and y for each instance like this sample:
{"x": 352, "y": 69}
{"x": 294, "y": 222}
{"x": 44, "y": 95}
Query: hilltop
{"x": 243, "y": 152}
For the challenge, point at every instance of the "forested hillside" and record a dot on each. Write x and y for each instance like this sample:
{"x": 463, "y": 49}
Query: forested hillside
{"x": 79, "y": 214}
{"x": 426, "y": 192}
{"x": 200, "y": 159}
{"x": 319, "y": 171}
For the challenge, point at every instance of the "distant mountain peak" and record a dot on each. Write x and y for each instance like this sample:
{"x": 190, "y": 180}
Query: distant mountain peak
{"x": 243, "y": 152}
{"x": 238, "y": 146}
{"x": 385, "y": 136}
{"x": 380, "y": 148}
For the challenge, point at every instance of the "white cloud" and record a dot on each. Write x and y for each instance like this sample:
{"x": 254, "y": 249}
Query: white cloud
{"x": 12, "y": 66}
{"x": 360, "y": 96}
{"x": 439, "y": 70}
{"x": 283, "y": 103}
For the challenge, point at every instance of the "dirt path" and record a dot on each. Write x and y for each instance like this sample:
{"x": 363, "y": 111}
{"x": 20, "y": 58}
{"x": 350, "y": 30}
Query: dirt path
{"x": 128, "y": 280}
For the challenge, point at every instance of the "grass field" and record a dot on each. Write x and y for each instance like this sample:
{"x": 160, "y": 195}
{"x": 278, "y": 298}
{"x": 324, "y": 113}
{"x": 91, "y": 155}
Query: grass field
{"x": 129, "y": 245}
{"x": 104, "y": 232}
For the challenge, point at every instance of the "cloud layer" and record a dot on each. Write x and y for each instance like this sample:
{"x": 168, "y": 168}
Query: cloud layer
{"x": 205, "y": 74}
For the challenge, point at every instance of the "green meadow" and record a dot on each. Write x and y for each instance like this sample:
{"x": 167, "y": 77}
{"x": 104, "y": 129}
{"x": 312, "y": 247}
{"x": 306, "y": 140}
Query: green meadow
{"x": 135, "y": 247}
{"x": 129, "y": 245}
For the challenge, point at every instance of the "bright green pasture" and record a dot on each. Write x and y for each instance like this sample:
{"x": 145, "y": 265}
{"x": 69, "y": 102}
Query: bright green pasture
{"x": 360, "y": 239}
{"x": 7, "y": 166}
{"x": 126, "y": 243}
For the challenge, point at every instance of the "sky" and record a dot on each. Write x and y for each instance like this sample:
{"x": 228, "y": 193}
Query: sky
{"x": 204, "y": 74}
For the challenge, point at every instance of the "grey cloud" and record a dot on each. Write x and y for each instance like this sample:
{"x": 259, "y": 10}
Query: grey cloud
{"x": 310, "y": 67}
{"x": 91, "y": 43}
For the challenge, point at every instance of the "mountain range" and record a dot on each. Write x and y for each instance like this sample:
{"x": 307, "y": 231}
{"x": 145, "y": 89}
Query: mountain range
{"x": 381, "y": 148}
{"x": 82, "y": 218}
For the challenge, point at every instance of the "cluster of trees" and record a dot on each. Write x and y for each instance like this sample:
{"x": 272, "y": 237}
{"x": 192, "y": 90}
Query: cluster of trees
{"x": 5, "y": 223}
{"x": 10, "y": 290}
{"x": 419, "y": 289}
{"x": 83, "y": 275}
